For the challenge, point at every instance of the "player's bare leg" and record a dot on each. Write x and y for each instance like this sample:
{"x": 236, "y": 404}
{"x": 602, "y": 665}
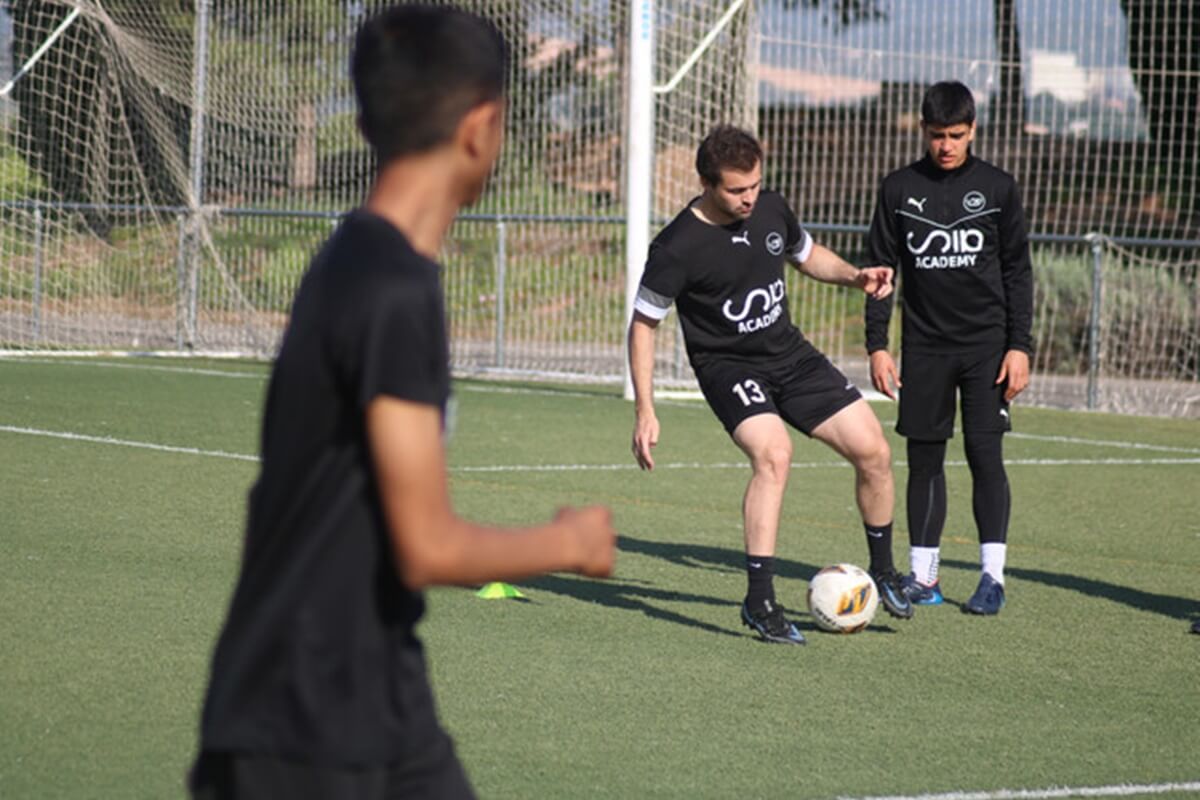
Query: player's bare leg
{"x": 855, "y": 434}
{"x": 766, "y": 442}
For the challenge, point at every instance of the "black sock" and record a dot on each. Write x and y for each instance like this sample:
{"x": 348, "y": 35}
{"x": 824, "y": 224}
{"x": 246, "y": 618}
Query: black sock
{"x": 760, "y": 575}
{"x": 879, "y": 543}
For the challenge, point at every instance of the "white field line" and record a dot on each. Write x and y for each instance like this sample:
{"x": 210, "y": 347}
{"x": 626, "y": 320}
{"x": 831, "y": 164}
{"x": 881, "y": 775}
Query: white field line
{"x": 164, "y": 448}
{"x": 487, "y": 388}
{"x": 219, "y": 373}
{"x": 196, "y": 451}
{"x": 1118, "y": 790}
{"x": 1104, "y": 443}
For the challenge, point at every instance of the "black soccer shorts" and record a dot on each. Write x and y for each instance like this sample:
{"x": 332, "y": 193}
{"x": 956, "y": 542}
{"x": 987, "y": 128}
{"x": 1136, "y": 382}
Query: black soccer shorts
{"x": 927, "y": 397}
{"x": 805, "y": 390}
{"x": 434, "y": 775}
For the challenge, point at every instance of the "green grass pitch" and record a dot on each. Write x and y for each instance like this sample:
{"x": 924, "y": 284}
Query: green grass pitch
{"x": 122, "y": 492}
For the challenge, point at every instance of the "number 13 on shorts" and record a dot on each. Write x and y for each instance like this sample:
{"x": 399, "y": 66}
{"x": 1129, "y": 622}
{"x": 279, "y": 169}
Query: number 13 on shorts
{"x": 749, "y": 392}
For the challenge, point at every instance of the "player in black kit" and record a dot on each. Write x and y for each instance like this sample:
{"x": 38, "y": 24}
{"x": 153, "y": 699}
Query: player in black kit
{"x": 318, "y": 686}
{"x": 720, "y": 261}
{"x": 953, "y": 227}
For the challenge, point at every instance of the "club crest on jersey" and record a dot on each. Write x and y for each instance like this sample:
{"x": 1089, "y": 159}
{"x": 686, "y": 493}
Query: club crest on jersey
{"x": 774, "y": 243}
{"x": 974, "y": 201}
{"x": 771, "y": 300}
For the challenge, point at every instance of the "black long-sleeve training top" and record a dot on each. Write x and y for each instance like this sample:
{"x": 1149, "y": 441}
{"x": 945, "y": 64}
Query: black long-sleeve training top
{"x": 958, "y": 241}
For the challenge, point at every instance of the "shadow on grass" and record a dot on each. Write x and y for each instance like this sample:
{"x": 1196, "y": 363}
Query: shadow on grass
{"x": 639, "y": 596}
{"x": 1173, "y": 607}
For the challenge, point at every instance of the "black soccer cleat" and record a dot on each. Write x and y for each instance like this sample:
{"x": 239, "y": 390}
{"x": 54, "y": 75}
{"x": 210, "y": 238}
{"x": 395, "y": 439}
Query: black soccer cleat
{"x": 769, "y": 623}
{"x": 891, "y": 594}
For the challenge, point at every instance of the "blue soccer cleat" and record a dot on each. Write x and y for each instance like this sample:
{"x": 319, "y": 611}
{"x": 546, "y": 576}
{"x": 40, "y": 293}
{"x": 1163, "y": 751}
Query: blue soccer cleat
{"x": 891, "y": 594}
{"x": 988, "y": 598}
{"x": 769, "y": 623}
{"x": 920, "y": 594}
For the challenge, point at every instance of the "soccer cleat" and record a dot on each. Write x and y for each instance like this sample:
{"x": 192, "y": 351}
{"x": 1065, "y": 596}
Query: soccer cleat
{"x": 1196, "y": 626}
{"x": 770, "y": 624}
{"x": 920, "y": 594}
{"x": 891, "y": 594}
{"x": 988, "y": 598}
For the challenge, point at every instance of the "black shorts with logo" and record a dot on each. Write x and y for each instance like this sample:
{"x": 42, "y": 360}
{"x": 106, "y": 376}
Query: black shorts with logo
{"x": 927, "y": 397}
{"x": 804, "y": 389}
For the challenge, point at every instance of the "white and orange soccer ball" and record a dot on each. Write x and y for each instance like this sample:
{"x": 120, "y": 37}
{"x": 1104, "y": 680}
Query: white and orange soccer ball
{"x": 842, "y": 598}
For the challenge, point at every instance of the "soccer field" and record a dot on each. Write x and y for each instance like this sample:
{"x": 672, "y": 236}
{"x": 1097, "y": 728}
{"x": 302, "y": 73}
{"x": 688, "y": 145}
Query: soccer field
{"x": 122, "y": 490}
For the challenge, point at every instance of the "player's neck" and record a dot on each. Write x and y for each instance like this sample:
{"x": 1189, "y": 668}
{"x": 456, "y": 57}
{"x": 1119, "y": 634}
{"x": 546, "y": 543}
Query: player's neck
{"x": 707, "y": 211}
{"x": 416, "y": 197}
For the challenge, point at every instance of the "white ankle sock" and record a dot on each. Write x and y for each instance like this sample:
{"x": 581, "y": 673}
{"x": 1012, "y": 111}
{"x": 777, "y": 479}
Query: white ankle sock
{"x": 924, "y": 564}
{"x": 991, "y": 556}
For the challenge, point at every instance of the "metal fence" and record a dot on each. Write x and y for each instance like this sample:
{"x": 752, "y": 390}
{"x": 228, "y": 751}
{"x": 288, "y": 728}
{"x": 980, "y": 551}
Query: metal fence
{"x": 542, "y": 296}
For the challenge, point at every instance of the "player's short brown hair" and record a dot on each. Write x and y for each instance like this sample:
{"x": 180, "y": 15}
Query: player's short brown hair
{"x": 726, "y": 147}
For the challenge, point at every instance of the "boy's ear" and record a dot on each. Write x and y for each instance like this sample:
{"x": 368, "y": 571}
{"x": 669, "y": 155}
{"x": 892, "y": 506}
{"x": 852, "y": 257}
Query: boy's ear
{"x": 481, "y": 130}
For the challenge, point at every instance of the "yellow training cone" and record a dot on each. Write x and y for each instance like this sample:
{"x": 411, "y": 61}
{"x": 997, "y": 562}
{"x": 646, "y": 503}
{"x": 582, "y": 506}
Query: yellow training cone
{"x": 497, "y": 590}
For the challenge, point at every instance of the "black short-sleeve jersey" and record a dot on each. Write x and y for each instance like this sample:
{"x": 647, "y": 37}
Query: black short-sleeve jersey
{"x": 958, "y": 241}
{"x": 727, "y": 281}
{"x": 318, "y": 659}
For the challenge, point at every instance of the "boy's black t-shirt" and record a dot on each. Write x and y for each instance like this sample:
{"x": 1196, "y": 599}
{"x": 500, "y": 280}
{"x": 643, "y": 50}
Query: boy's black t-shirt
{"x": 318, "y": 659}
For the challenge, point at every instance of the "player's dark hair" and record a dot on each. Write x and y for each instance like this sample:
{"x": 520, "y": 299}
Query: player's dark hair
{"x": 948, "y": 103}
{"x": 418, "y": 70}
{"x": 726, "y": 147}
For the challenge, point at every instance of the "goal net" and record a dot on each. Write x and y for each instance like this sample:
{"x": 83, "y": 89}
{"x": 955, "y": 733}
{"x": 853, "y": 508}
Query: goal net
{"x": 168, "y": 169}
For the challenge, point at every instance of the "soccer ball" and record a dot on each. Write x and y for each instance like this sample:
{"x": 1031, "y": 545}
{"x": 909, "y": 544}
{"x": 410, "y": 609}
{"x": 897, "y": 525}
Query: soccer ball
{"x": 842, "y": 598}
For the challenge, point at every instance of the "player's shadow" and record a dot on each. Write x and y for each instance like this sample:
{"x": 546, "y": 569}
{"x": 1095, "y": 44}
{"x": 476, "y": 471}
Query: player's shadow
{"x": 633, "y": 596}
{"x": 638, "y": 596}
{"x": 1174, "y": 607}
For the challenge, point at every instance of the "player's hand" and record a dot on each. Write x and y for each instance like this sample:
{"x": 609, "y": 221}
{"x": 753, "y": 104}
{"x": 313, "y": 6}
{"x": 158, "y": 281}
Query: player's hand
{"x": 1015, "y": 370}
{"x": 884, "y": 375}
{"x": 876, "y": 281}
{"x": 593, "y": 534}
{"x": 645, "y": 437}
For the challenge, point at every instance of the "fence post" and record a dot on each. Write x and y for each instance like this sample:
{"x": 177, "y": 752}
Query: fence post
{"x": 1097, "y": 242}
{"x": 191, "y": 247}
{"x": 501, "y": 270}
{"x": 639, "y": 155}
{"x": 181, "y": 282}
{"x": 37, "y": 273}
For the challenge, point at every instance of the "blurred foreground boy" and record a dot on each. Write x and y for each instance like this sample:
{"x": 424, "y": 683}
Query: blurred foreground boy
{"x": 318, "y": 684}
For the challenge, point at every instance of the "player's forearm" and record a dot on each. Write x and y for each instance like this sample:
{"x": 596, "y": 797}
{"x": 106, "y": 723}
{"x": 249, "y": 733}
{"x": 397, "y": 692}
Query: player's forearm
{"x": 828, "y": 267}
{"x": 641, "y": 363}
{"x": 877, "y": 315}
{"x": 464, "y": 553}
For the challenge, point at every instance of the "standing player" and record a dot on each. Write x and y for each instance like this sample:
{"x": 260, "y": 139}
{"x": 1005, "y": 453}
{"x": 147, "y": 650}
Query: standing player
{"x": 720, "y": 261}
{"x": 953, "y": 226}
{"x": 318, "y": 685}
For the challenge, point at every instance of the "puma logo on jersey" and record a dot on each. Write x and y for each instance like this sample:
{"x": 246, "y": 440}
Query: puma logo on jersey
{"x": 919, "y": 204}
{"x": 742, "y": 238}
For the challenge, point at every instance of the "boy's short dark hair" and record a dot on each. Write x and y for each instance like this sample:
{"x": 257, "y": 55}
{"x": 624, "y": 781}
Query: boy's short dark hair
{"x": 726, "y": 147}
{"x": 418, "y": 69}
{"x": 948, "y": 103}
